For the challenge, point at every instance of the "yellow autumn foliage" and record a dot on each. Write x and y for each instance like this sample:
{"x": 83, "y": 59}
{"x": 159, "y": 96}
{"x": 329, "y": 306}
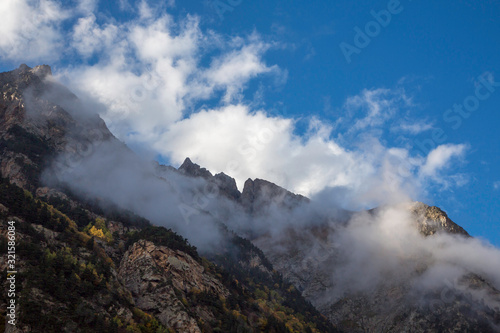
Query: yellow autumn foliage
{"x": 96, "y": 232}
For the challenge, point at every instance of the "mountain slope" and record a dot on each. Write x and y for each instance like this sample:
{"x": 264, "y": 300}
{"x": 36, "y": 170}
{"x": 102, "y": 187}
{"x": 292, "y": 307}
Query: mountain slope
{"x": 412, "y": 280}
{"x": 85, "y": 264}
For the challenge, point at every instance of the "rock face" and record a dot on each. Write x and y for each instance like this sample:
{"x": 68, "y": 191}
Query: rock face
{"x": 42, "y": 71}
{"x": 194, "y": 170}
{"x": 311, "y": 258}
{"x": 34, "y": 126}
{"x": 258, "y": 194}
{"x": 225, "y": 184}
{"x": 392, "y": 309}
{"x": 156, "y": 274}
{"x": 431, "y": 219}
{"x": 23, "y": 88}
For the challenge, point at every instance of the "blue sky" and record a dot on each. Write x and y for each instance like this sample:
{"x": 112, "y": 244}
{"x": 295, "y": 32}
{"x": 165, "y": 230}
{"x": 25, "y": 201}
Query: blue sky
{"x": 264, "y": 89}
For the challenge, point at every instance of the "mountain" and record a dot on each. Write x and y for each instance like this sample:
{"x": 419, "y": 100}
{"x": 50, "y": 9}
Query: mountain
{"x": 108, "y": 242}
{"x": 392, "y": 298}
{"x": 86, "y": 264}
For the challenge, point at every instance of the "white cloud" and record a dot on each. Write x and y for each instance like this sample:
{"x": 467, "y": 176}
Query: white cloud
{"x": 245, "y": 144}
{"x": 415, "y": 127}
{"x": 31, "y": 29}
{"x": 373, "y": 107}
{"x": 235, "y": 69}
{"x": 89, "y": 38}
{"x": 87, "y": 6}
{"x": 440, "y": 157}
{"x": 152, "y": 75}
{"x": 386, "y": 246}
{"x": 150, "y": 72}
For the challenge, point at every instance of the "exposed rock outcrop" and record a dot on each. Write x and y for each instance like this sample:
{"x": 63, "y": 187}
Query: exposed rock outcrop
{"x": 258, "y": 194}
{"x": 310, "y": 258}
{"x": 159, "y": 278}
{"x": 225, "y": 184}
{"x": 194, "y": 170}
{"x": 34, "y": 127}
{"x": 431, "y": 219}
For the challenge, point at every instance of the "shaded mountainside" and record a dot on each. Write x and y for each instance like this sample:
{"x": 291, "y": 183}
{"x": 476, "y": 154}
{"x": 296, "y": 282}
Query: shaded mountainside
{"x": 33, "y": 128}
{"x": 308, "y": 258}
{"x": 86, "y": 264}
{"x": 394, "y": 300}
{"x": 114, "y": 276}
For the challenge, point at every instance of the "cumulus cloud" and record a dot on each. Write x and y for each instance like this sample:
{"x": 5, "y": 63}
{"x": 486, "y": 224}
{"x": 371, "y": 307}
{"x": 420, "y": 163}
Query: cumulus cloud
{"x": 244, "y": 144}
{"x": 31, "y": 29}
{"x": 152, "y": 72}
{"x": 87, "y": 6}
{"x": 440, "y": 157}
{"x": 89, "y": 38}
{"x": 234, "y": 69}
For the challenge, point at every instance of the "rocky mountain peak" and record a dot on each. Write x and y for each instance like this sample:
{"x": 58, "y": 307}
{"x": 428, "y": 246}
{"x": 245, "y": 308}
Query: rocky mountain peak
{"x": 248, "y": 189}
{"x": 14, "y": 82}
{"x": 260, "y": 193}
{"x": 431, "y": 219}
{"x": 24, "y": 67}
{"x": 39, "y": 119}
{"x": 227, "y": 185}
{"x": 42, "y": 71}
{"x": 194, "y": 170}
{"x": 24, "y": 76}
